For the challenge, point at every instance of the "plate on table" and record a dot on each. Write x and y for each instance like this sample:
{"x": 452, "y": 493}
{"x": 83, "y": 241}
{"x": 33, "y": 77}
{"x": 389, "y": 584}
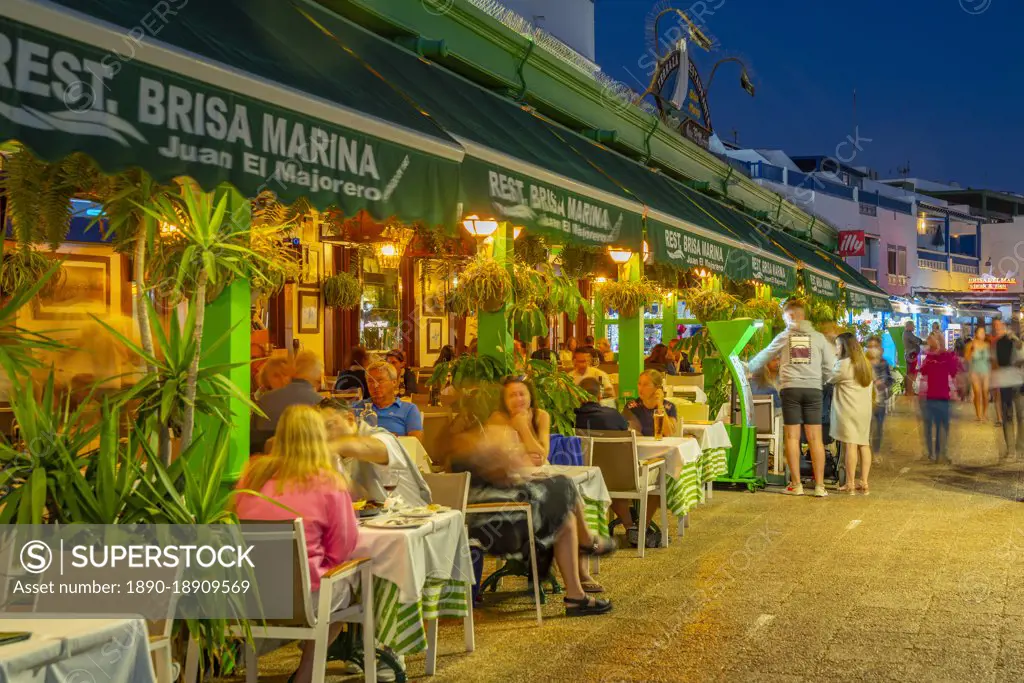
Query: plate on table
{"x": 424, "y": 511}
{"x": 395, "y": 522}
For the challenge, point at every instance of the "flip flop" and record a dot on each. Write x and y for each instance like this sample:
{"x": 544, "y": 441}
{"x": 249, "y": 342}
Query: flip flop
{"x": 592, "y": 587}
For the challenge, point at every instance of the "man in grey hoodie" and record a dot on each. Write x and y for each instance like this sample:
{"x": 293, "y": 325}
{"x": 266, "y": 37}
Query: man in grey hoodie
{"x": 807, "y": 363}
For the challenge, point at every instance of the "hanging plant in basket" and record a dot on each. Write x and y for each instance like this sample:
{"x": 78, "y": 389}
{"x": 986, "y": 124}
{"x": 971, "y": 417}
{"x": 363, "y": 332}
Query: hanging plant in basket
{"x": 531, "y": 250}
{"x": 707, "y": 304}
{"x": 23, "y": 268}
{"x": 761, "y": 309}
{"x": 821, "y": 311}
{"x": 484, "y": 285}
{"x": 628, "y": 297}
{"x": 342, "y": 291}
{"x": 579, "y": 262}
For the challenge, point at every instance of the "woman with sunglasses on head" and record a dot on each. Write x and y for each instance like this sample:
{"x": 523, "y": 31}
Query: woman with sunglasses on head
{"x": 518, "y": 410}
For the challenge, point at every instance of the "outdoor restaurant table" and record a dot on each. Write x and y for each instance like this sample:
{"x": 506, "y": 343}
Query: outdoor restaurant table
{"x": 682, "y": 467}
{"x": 77, "y": 649}
{"x": 590, "y": 483}
{"x": 420, "y": 573}
{"x": 414, "y": 447}
{"x": 714, "y": 445}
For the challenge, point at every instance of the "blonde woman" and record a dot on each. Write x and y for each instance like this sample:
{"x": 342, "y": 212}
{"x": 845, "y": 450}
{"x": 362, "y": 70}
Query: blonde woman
{"x": 853, "y": 378}
{"x": 301, "y": 474}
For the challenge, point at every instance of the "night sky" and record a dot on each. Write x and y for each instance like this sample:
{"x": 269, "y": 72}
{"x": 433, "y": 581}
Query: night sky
{"x": 936, "y": 85}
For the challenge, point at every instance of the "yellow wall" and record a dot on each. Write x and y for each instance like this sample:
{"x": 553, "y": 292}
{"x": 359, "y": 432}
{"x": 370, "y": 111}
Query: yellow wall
{"x": 422, "y": 322}
{"x": 96, "y": 351}
{"x": 310, "y": 342}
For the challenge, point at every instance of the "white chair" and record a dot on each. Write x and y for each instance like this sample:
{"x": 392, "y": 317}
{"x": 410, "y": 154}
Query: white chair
{"x": 692, "y": 379}
{"x": 626, "y": 476}
{"x": 305, "y": 624}
{"x": 766, "y": 423}
{"x": 451, "y": 490}
{"x": 511, "y": 508}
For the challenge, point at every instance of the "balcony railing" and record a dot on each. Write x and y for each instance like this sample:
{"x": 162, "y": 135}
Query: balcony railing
{"x": 898, "y": 280}
{"x": 870, "y": 273}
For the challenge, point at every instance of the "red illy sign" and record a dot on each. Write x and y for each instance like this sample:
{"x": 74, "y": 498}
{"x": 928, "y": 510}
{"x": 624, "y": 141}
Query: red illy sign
{"x": 852, "y": 243}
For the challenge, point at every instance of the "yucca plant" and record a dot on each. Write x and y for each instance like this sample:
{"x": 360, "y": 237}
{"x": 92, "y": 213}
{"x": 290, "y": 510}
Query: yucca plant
{"x": 52, "y": 437}
{"x": 211, "y": 250}
{"x": 343, "y": 291}
{"x": 161, "y": 397}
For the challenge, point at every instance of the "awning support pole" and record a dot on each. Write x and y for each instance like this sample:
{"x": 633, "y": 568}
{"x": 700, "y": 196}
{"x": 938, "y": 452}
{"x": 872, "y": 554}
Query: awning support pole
{"x": 493, "y": 336}
{"x": 631, "y": 334}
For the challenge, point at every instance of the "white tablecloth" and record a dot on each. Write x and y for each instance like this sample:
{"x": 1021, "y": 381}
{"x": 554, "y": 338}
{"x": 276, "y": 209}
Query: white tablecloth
{"x": 675, "y": 449}
{"x": 408, "y": 557}
{"x": 416, "y": 451}
{"x": 713, "y": 435}
{"x": 588, "y": 480}
{"x": 77, "y": 651}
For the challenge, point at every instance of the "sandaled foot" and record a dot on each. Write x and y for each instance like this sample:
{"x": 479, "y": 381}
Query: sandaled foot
{"x": 847, "y": 488}
{"x": 586, "y": 607}
{"x": 863, "y": 488}
{"x": 592, "y": 586}
{"x": 601, "y": 545}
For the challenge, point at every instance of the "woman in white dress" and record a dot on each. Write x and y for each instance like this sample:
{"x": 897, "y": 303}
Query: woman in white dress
{"x": 851, "y": 409}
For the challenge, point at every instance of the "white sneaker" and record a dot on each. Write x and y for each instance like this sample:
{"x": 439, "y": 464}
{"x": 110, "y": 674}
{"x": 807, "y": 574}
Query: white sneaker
{"x": 820, "y": 492}
{"x": 794, "y": 490}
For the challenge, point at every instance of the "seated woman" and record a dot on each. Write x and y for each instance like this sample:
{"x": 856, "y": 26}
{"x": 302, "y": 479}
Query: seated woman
{"x": 371, "y": 457}
{"x": 497, "y": 462}
{"x": 660, "y": 360}
{"x": 605, "y": 348}
{"x": 355, "y": 377}
{"x": 639, "y": 413}
{"x": 517, "y": 411}
{"x": 300, "y": 474}
{"x": 275, "y": 373}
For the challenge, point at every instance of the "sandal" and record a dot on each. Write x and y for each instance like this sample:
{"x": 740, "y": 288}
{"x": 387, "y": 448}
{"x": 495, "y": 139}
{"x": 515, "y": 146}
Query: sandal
{"x": 861, "y": 486}
{"x": 601, "y": 546}
{"x": 847, "y": 488}
{"x": 586, "y": 607}
{"x": 592, "y": 587}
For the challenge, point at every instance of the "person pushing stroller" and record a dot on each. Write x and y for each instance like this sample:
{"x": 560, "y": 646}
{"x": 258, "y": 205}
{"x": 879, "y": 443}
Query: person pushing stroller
{"x": 807, "y": 361}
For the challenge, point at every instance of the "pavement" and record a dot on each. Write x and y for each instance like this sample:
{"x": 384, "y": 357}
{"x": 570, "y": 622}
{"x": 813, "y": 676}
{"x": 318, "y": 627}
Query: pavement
{"x": 923, "y": 580}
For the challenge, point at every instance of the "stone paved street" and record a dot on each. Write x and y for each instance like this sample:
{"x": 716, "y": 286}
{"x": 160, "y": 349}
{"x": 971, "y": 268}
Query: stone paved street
{"x": 923, "y": 580}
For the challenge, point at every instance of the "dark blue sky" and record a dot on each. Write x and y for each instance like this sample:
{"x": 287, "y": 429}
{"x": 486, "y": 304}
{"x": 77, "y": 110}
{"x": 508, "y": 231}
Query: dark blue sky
{"x": 936, "y": 85}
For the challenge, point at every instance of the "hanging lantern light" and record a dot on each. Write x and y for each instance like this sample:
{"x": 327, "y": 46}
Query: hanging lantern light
{"x": 480, "y": 227}
{"x": 647, "y": 252}
{"x": 922, "y": 225}
{"x": 390, "y": 249}
{"x": 619, "y": 256}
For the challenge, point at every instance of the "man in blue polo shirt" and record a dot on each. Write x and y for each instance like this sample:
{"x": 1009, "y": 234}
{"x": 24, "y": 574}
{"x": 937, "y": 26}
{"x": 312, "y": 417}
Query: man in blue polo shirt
{"x": 398, "y": 417}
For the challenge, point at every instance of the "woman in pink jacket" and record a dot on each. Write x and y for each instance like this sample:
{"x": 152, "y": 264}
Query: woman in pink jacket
{"x": 300, "y": 473}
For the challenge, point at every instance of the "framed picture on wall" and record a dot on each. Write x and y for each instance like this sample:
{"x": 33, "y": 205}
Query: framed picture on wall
{"x": 85, "y": 290}
{"x": 433, "y": 286}
{"x": 309, "y": 311}
{"x": 434, "y": 335}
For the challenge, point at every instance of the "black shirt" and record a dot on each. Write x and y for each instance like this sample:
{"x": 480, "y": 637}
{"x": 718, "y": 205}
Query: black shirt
{"x": 353, "y": 379}
{"x": 594, "y": 416}
{"x": 645, "y": 415}
{"x": 407, "y": 384}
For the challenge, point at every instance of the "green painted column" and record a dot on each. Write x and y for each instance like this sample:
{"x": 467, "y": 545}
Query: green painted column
{"x": 230, "y": 314}
{"x": 668, "y": 319}
{"x": 493, "y": 336}
{"x": 631, "y": 335}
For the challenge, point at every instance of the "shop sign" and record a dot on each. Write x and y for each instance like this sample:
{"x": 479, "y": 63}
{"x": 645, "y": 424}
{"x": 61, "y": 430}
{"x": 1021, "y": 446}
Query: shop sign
{"x": 547, "y": 209}
{"x": 881, "y": 304}
{"x": 58, "y": 96}
{"x": 779, "y": 276}
{"x": 852, "y": 243}
{"x": 991, "y": 284}
{"x": 694, "y": 251}
{"x": 821, "y": 286}
{"x": 856, "y": 301}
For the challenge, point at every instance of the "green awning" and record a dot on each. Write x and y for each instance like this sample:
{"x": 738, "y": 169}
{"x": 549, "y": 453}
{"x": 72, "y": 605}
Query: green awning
{"x": 817, "y": 273}
{"x": 679, "y": 232}
{"x": 245, "y": 92}
{"x": 515, "y": 167}
{"x": 860, "y": 300}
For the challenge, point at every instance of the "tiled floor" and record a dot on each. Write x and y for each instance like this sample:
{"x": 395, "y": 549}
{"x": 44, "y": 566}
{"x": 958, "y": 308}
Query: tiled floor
{"x": 923, "y": 580}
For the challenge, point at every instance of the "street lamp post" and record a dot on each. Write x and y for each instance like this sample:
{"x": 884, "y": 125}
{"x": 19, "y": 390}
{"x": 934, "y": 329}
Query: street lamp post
{"x": 745, "y": 81}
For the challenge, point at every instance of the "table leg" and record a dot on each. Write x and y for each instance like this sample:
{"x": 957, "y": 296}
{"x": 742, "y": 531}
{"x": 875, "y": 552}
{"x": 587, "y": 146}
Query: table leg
{"x": 681, "y": 526}
{"x": 710, "y": 489}
{"x": 467, "y": 627}
{"x": 686, "y": 520}
{"x": 432, "y": 646}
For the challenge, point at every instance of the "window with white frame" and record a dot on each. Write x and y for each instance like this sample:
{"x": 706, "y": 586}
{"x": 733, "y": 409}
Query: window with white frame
{"x": 897, "y": 260}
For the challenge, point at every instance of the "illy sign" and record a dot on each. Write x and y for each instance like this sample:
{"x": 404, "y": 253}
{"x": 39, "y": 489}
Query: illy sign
{"x": 852, "y": 243}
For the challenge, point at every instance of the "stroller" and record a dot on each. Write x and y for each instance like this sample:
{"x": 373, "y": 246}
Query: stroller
{"x": 835, "y": 465}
